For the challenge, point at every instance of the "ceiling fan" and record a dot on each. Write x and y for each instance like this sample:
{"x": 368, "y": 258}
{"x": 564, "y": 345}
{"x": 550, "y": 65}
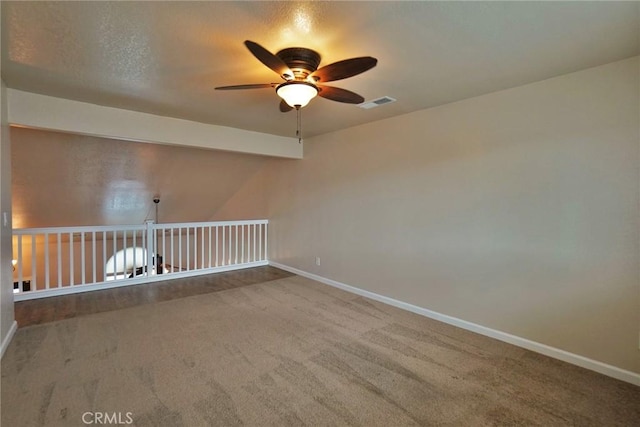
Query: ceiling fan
{"x": 298, "y": 67}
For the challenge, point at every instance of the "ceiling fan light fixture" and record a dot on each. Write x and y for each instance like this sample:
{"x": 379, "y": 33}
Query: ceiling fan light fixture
{"x": 297, "y": 94}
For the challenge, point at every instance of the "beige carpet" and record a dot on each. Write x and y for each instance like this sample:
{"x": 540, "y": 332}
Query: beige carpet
{"x": 292, "y": 352}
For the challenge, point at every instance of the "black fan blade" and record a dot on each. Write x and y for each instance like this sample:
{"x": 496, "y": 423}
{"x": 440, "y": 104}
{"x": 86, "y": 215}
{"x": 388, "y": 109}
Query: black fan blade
{"x": 340, "y": 95}
{"x": 254, "y": 86}
{"x": 269, "y": 59}
{"x": 284, "y": 107}
{"x": 343, "y": 69}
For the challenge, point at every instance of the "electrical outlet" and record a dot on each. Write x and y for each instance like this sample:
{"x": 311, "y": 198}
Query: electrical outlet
{"x": 318, "y": 261}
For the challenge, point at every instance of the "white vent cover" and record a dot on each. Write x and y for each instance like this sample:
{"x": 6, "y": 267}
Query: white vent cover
{"x": 377, "y": 102}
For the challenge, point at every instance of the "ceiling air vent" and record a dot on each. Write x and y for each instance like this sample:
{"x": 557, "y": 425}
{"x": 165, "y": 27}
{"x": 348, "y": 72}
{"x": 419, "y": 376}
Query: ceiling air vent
{"x": 377, "y": 102}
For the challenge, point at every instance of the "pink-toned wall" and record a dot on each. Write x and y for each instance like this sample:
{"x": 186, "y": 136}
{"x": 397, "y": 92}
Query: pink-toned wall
{"x": 102, "y": 181}
{"x": 6, "y": 286}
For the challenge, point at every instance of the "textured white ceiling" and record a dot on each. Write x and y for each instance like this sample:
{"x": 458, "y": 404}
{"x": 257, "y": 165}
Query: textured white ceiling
{"x": 166, "y": 57}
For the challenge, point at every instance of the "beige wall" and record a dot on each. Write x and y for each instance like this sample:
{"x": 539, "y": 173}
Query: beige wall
{"x": 6, "y": 285}
{"x": 249, "y": 202}
{"x": 516, "y": 210}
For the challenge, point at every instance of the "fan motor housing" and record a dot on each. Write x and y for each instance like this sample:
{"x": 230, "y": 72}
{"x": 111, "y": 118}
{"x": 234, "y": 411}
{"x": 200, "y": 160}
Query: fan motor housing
{"x": 301, "y": 61}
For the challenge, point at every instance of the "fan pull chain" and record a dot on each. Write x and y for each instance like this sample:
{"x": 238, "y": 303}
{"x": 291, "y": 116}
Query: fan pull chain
{"x": 299, "y": 123}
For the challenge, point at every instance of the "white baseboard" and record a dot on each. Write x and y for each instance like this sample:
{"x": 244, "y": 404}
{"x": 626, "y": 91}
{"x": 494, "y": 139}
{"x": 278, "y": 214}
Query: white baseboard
{"x": 7, "y": 340}
{"x": 556, "y": 353}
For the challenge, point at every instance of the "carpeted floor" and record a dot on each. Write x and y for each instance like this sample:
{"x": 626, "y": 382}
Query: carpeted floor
{"x": 44, "y": 310}
{"x": 291, "y": 352}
